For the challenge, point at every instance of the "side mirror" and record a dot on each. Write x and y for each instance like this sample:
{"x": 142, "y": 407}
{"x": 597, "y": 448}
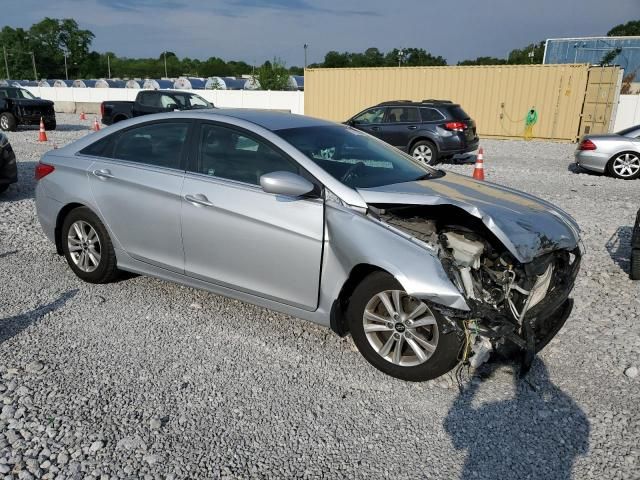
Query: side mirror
{"x": 285, "y": 183}
{"x": 171, "y": 106}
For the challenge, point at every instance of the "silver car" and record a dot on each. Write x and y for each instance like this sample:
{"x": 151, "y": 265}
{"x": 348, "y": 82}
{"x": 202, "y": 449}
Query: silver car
{"x": 617, "y": 154}
{"x": 425, "y": 269}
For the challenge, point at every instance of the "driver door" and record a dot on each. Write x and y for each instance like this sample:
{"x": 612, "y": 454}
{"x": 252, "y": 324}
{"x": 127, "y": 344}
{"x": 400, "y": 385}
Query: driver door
{"x": 237, "y": 235}
{"x": 371, "y": 121}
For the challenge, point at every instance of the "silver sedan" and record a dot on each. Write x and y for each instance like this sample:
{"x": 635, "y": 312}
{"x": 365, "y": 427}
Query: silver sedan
{"x": 617, "y": 154}
{"x": 424, "y": 268}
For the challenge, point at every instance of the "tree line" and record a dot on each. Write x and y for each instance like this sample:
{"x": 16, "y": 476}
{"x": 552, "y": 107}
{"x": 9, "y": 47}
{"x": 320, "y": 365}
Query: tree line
{"x": 59, "y": 48}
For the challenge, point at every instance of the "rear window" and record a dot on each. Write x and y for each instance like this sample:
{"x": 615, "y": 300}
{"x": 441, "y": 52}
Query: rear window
{"x": 457, "y": 113}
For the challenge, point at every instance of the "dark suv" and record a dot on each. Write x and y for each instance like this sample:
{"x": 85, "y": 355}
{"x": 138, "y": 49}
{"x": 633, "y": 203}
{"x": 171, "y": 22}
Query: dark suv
{"x": 429, "y": 131}
{"x": 19, "y": 107}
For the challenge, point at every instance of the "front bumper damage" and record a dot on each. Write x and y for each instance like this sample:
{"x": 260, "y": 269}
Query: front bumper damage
{"x": 515, "y": 307}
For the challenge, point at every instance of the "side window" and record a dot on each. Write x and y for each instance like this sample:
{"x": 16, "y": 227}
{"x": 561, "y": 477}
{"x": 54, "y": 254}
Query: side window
{"x": 166, "y": 102}
{"x": 3, "y": 94}
{"x": 373, "y": 115}
{"x": 157, "y": 144}
{"x": 430, "y": 115}
{"x": 230, "y": 154}
{"x": 143, "y": 99}
{"x": 403, "y": 115}
{"x": 101, "y": 148}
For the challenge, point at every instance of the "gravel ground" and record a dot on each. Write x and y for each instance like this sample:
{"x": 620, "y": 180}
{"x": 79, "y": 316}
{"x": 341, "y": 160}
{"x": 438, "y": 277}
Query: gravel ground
{"x": 146, "y": 379}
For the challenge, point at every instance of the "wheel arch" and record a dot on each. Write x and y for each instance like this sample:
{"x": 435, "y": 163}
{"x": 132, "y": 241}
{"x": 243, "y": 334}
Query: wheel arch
{"x": 423, "y": 137}
{"x": 338, "y": 320}
{"x": 62, "y": 214}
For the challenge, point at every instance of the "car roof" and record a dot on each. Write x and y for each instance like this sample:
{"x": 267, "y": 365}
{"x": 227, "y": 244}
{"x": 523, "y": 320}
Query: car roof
{"x": 269, "y": 119}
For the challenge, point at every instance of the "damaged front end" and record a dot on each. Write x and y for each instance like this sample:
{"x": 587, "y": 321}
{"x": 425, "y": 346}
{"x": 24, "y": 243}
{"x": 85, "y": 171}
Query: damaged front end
{"x": 515, "y": 307}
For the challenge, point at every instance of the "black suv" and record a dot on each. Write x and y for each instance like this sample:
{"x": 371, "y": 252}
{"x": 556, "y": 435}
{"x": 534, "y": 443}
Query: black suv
{"x": 429, "y": 131}
{"x": 19, "y": 107}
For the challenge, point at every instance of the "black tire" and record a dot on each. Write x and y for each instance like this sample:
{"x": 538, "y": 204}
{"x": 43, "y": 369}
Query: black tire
{"x": 50, "y": 126}
{"x": 3, "y": 187}
{"x": 443, "y": 359}
{"x": 8, "y": 122}
{"x": 106, "y": 270}
{"x": 635, "y": 264}
{"x": 421, "y": 145}
{"x": 612, "y": 162}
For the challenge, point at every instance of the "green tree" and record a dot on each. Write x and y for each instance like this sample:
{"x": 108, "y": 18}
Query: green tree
{"x": 629, "y": 29}
{"x": 273, "y": 75}
{"x": 484, "y": 61}
{"x": 521, "y": 56}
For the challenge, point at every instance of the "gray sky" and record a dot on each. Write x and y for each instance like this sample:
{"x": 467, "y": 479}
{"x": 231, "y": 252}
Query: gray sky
{"x": 256, "y": 30}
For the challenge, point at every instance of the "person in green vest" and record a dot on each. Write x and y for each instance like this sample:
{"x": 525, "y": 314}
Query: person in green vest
{"x": 529, "y": 121}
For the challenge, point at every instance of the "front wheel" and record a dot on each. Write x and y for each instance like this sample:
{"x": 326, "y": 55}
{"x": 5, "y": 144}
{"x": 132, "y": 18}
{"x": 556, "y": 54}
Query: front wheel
{"x": 399, "y": 334}
{"x": 87, "y": 247}
{"x": 425, "y": 152}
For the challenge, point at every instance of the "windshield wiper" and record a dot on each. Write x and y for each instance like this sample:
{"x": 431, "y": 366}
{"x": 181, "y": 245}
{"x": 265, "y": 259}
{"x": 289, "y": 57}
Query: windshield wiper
{"x": 430, "y": 175}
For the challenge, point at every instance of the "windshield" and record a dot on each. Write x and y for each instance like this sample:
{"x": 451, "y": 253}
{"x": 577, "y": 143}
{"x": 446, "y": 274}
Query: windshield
{"x": 353, "y": 157}
{"x": 16, "y": 93}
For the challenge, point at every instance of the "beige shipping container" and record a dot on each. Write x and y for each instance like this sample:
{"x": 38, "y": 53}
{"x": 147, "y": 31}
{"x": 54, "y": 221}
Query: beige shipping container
{"x": 496, "y": 97}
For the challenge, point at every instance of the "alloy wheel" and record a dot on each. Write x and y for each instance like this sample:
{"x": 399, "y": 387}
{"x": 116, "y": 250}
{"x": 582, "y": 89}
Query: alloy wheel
{"x": 400, "y": 328}
{"x": 626, "y": 165}
{"x": 84, "y": 246}
{"x": 423, "y": 154}
{"x": 4, "y": 123}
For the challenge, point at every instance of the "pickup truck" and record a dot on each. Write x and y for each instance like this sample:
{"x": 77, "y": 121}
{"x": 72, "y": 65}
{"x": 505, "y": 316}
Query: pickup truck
{"x": 151, "y": 101}
{"x": 19, "y": 107}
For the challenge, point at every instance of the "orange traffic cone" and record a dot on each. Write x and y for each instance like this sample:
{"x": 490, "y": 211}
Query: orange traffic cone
{"x": 82, "y": 116}
{"x": 478, "y": 171}
{"x": 96, "y": 126}
{"x": 43, "y": 134}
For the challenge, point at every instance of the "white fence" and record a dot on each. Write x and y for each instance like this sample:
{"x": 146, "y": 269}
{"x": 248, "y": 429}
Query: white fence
{"x": 628, "y": 113}
{"x": 267, "y": 100}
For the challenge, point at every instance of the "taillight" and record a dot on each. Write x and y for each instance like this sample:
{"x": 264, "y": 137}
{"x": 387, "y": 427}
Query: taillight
{"x": 455, "y": 126}
{"x": 587, "y": 144}
{"x": 102, "y": 109}
{"x": 42, "y": 170}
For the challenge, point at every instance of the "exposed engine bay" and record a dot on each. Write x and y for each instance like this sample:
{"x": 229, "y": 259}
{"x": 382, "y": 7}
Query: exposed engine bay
{"x": 514, "y": 307}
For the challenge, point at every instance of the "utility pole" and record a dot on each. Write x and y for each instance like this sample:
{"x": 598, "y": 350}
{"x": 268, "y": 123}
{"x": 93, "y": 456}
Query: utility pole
{"x": 164, "y": 54}
{"x": 109, "y": 66}
{"x": 66, "y": 72}
{"x": 305, "y": 55}
{"x": 6, "y": 63}
{"x": 35, "y": 73}
{"x": 400, "y": 57}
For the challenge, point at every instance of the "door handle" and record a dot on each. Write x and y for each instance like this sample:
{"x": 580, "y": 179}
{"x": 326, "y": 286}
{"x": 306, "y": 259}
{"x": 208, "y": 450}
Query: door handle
{"x": 103, "y": 174}
{"x": 198, "y": 199}
{"x": 412, "y": 127}
{"x": 375, "y": 129}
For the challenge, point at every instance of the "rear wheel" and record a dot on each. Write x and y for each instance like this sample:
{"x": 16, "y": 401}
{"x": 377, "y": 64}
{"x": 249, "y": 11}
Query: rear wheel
{"x": 425, "y": 152}
{"x": 8, "y": 122}
{"x": 50, "y": 126}
{"x": 3, "y": 187}
{"x": 87, "y": 247}
{"x": 399, "y": 334}
{"x": 625, "y": 166}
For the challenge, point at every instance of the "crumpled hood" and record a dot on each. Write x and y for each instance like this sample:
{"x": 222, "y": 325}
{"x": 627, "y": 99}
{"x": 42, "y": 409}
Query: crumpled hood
{"x": 526, "y": 225}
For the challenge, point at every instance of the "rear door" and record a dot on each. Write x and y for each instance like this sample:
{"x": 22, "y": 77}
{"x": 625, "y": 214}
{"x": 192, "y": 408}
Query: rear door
{"x": 136, "y": 181}
{"x": 241, "y": 237}
{"x": 401, "y": 126}
{"x": 371, "y": 121}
